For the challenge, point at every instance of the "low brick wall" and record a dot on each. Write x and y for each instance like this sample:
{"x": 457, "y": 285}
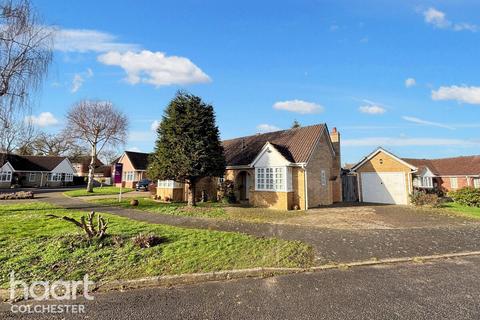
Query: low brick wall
{"x": 271, "y": 199}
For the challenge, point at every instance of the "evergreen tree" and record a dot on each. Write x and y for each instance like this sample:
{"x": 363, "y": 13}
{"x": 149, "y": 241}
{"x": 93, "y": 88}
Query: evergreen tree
{"x": 188, "y": 147}
{"x": 295, "y": 124}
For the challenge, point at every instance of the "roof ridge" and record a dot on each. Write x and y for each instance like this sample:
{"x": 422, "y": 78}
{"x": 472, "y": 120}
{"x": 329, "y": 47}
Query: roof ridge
{"x": 277, "y": 131}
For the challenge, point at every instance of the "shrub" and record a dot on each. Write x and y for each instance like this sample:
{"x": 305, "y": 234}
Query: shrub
{"x": 147, "y": 240}
{"x": 422, "y": 198}
{"x": 466, "y": 196}
{"x": 16, "y": 195}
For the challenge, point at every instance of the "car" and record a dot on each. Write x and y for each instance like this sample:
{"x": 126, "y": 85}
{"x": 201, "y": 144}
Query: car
{"x": 142, "y": 185}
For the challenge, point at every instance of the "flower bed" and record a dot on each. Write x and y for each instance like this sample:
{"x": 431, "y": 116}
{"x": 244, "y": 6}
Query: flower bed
{"x": 16, "y": 195}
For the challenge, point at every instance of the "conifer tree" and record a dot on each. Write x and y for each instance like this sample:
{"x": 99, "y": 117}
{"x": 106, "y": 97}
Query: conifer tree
{"x": 188, "y": 147}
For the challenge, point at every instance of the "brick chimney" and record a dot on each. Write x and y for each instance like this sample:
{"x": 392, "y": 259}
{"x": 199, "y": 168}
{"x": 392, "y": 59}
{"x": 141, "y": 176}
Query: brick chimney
{"x": 337, "y": 165}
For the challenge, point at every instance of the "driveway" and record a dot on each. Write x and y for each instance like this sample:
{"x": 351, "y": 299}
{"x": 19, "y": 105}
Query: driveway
{"x": 360, "y": 217}
{"x": 443, "y": 289}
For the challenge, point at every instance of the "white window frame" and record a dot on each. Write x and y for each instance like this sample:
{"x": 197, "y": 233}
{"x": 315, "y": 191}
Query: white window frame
{"x": 129, "y": 176}
{"x": 68, "y": 177}
{"x": 169, "y": 184}
{"x": 271, "y": 178}
{"x": 54, "y": 177}
{"x": 426, "y": 182}
{"x": 32, "y": 177}
{"x": 323, "y": 177}
{"x": 5, "y": 176}
{"x": 454, "y": 182}
{"x": 476, "y": 183}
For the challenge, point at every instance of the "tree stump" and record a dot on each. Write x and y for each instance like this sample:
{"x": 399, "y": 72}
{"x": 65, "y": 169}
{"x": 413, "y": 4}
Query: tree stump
{"x": 134, "y": 203}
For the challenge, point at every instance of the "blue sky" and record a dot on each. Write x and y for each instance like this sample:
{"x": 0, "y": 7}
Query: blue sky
{"x": 400, "y": 75}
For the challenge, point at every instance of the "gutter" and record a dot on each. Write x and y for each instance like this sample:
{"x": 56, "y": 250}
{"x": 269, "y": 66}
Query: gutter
{"x": 305, "y": 180}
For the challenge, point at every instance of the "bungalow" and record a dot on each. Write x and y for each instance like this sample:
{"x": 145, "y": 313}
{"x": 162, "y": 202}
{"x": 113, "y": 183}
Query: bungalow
{"x": 134, "y": 167}
{"x": 385, "y": 178}
{"x": 35, "y": 171}
{"x": 296, "y": 168}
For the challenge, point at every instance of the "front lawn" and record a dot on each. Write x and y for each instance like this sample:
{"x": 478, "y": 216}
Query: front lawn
{"x": 473, "y": 212}
{"x": 98, "y": 191}
{"x": 208, "y": 209}
{"x": 39, "y": 248}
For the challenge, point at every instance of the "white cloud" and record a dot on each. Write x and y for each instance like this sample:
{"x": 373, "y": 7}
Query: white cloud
{"x": 403, "y": 142}
{"x": 155, "y": 68}
{"x": 44, "y": 119}
{"x": 427, "y": 123}
{"x": 465, "y": 94}
{"x": 141, "y": 136}
{"x": 299, "y": 106}
{"x": 410, "y": 82}
{"x": 439, "y": 20}
{"x": 84, "y": 40}
{"x": 79, "y": 79}
{"x": 134, "y": 149}
{"x": 263, "y": 128}
{"x": 154, "y": 125}
{"x": 372, "y": 109}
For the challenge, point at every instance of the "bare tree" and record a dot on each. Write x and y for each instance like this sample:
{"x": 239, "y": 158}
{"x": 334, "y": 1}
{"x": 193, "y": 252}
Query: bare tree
{"x": 15, "y": 133}
{"x": 25, "y": 54}
{"x": 53, "y": 144}
{"x": 99, "y": 124}
{"x": 26, "y": 51}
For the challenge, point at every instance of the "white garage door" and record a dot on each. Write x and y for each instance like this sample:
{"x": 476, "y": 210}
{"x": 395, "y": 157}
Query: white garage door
{"x": 384, "y": 187}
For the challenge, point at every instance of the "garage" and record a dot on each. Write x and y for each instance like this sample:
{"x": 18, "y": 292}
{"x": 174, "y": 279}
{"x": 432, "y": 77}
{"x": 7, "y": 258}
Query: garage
{"x": 384, "y": 187}
{"x": 384, "y": 178}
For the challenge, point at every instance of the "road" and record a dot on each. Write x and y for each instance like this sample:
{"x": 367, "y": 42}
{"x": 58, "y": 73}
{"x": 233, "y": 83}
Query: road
{"x": 442, "y": 289}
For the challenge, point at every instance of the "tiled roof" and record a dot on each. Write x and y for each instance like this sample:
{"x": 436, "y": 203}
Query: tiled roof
{"x": 139, "y": 160}
{"x": 32, "y": 163}
{"x": 296, "y": 145}
{"x": 449, "y": 166}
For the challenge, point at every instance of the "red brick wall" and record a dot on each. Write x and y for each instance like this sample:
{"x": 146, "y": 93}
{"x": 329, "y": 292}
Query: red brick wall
{"x": 463, "y": 182}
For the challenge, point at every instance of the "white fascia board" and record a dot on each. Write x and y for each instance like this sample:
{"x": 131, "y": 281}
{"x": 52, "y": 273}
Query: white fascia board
{"x": 374, "y": 153}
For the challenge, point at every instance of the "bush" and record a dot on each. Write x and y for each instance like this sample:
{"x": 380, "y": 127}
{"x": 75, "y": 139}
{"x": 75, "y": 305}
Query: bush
{"x": 466, "y": 196}
{"x": 422, "y": 198}
{"x": 16, "y": 195}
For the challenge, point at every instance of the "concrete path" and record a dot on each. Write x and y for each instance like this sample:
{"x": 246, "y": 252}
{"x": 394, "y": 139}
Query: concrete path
{"x": 331, "y": 245}
{"x": 445, "y": 289}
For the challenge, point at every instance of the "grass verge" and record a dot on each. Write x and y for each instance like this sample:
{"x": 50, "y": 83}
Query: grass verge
{"x": 454, "y": 207}
{"x": 39, "y": 248}
{"x": 208, "y": 210}
{"x": 98, "y": 191}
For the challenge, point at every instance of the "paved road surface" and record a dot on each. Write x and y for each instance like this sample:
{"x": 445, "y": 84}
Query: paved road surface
{"x": 443, "y": 289}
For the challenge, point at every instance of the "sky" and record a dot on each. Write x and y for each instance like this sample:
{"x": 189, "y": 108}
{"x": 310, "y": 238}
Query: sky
{"x": 398, "y": 74}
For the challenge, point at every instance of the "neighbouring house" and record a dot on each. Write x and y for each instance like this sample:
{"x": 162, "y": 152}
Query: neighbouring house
{"x": 81, "y": 166}
{"x": 134, "y": 167}
{"x": 35, "y": 171}
{"x": 385, "y": 178}
{"x": 447, "y": 174}
{"x": 296, "y": 168}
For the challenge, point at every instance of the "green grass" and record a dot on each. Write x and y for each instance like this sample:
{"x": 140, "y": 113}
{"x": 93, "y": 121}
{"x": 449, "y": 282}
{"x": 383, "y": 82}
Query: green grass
{"x": 40, "y": 248}
{"x": 472, "y": 212}
{"x": 96, "y": 191}
{"x": 208, "y": 210}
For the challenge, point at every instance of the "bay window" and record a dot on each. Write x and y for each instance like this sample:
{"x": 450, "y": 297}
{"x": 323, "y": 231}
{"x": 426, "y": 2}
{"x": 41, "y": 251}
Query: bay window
{"x": 271, "y": 179}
